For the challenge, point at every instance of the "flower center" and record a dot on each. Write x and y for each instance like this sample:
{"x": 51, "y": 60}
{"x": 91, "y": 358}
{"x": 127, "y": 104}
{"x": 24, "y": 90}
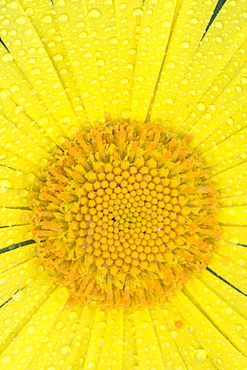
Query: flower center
{"x": 125, "y": 215}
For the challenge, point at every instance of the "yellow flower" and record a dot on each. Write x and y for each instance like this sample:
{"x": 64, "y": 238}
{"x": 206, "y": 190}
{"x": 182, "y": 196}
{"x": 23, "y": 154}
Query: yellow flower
{"x": 80, "y": 81}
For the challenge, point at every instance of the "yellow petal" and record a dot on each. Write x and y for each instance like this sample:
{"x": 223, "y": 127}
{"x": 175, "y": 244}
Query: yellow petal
{"x": 37, "y": 66}
{"x": 22, "y": 305}
{"x": 11, "y": 216}
{"x": 43, "y": 20}
{"x": 213, "y": 344}
{"x": 16, "y": 278}
{"x": 75, "y": 29}
{"x": 57, "y": 345}
{"x": 182, "y": 335}
{"x": 233, "y": 216}
{"x": 14, "y": 235}
{"x": 23, "y": 347}
{"x": 234, "y": 235}
{"x": 15, "y": 140}
{"x": 16, "y": 256}
{"x": 232, "y": 182}
{"x": 151, "y": 350}
{"x": 10, "y": 178}
{"x": 230, "y": 271}
{"x": 203, "y": 68}
{"x": 225, "y": 292}
{"x": 188, "y": 28}
{"x": 14, "y": 198}
{"x": 154, "y": 34}
{"x": 127, "y": 13}
{"x": 226, "y": 320}
{"x": 79, "y": 344}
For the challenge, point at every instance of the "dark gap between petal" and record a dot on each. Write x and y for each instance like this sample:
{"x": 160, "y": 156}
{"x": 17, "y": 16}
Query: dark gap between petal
{"x": 15, "y": 246}
{"x": 225, "y": 281}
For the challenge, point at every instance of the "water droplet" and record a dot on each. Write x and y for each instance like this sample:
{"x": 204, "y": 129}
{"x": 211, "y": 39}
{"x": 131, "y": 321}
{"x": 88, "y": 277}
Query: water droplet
{"x": 5, "y": 184}
{"x": 47, "y": 19}
{"x": 137, "y": 12}
{"x": 139, "y": 341}
{"x": 18, "y": 296}
{"x": 94, "y": 13}
{"x": 86, "y": 329}
{"x": 13, "y": 5}
{"x": 200, "y": 355}
{"x": 62, "y": 293}
{"x": 218, "y": 39}
{"x": 147, "y": 29}
{"x": 31, "y": 330}
{"x": 126, "y": 113}
{"x": 114, "y": 41}
{"x": 91, "y": 365}
{"x": 218, "y": 25}
{"x": 21, "y": 20}
{"x": 185, "y": 45}
{"x": 7, "y": 58}
{"x": 201, "y": 107}
{"x": 63, "y": 18}
{"x": 145, "y": 325}
{"x": 171, "y": 65}
{"x": 6, "y": 360}
{"x": 101, "y": 325}
{"x": 174, "y": 334}
{"x": 65, "y": 350}
{"x": 28, "y": 349}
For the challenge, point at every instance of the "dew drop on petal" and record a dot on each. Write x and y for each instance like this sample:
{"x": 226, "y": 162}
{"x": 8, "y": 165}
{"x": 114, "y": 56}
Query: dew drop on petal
{"x": 94, "y": 13}
{"x": 200, "y": 355}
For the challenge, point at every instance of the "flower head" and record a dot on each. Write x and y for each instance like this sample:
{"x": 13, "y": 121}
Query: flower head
{"x": 123, "y": 188}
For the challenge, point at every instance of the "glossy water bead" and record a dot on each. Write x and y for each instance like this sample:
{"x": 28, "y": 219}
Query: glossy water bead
{"x": 124, "y": 215}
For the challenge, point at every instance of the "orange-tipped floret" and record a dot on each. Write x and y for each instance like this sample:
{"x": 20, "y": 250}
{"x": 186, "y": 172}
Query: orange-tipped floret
{"x": 125, "y": 215}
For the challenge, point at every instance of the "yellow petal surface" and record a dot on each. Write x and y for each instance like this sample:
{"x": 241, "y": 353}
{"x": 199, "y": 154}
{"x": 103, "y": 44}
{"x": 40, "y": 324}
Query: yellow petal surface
{"x": 127, "y": 47}
{"x": 236, "y": 253}
{"x": 221, "y": 49}
{"x": 16, "y": 277}
{"x": 233, "y": 216}
{"x": 153, "y": 39}
{"x": 57, "y": 344}
{"x": 233, "y": 201}
{"x": 213, "y": 343}
{"x": 16, "y": 162}
{"x": 44, "y": 21}
{"x": 75, "y": 29}
{"x": 10, "y": 178}
{"x": 230, "y": 271}
{"x": 236, "y": 300}
{"x": 26, "y": 106}
{"x": 174, "y": 332}
{"x": 228, "y": 86}
{"x": 24, "y": 346}
{"x": 234, "y": 235}
{"x": 234, "y": 177}
{"x": 11, "y": 216}
{"x": 230, "y": 148}
{"x": 24, "y": 304}
{"x": 16, "y": 256}
{"x": 80, "y": 340}
{"x": 187, "y": 32}
{"x": 227, "y": 321}
{"x": 14, "y": 198}
{"x": 150, "y": 350}
{"x": 37, "y": 67}
{"x": 14, "y": 235}
{"x": 15, "y": 140}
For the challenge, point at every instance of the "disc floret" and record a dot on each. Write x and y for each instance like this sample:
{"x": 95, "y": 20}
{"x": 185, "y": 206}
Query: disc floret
{"x": 125, "y": 215}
